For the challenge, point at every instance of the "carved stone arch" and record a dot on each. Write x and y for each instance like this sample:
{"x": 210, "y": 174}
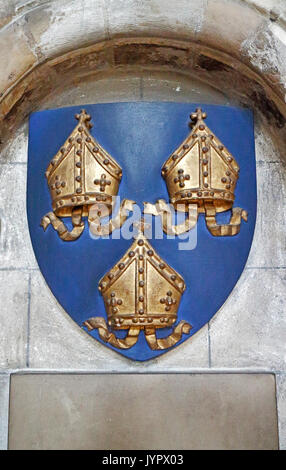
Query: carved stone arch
{"x": 238, "y": 47}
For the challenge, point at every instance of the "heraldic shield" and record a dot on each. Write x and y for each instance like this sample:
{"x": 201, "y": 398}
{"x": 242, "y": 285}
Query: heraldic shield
{"x": 102, "y": 179}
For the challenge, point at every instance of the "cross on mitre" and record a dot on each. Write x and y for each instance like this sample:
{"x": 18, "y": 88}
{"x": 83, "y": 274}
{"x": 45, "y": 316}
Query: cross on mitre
{"x": 199, "y": 115}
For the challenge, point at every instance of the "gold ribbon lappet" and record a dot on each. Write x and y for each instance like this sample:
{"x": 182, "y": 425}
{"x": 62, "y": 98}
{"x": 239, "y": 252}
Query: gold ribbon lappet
{"x": 133, "y": 332}
{"x": 99, "y": 323}
{"x": 59, "y": 226}
{"x": 94, "y": 221}
{"x": 171, "y": 340}
{"x": 224, "y": 230}
{"x": 116, "y": 222}
{"x": 162, "y": 209}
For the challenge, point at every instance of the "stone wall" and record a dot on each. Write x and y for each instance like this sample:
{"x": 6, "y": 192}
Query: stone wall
{"x": 64, "y": 52}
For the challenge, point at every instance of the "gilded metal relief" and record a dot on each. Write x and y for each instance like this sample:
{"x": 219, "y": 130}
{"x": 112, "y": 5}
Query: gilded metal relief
{"x": 141, "y": 292}
{"x": 201, "y": 176}
{"x": 81, "y": 176}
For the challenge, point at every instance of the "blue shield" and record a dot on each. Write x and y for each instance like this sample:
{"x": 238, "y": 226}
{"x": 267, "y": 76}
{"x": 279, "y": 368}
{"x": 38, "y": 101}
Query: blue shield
{"x": 140, "y": 136}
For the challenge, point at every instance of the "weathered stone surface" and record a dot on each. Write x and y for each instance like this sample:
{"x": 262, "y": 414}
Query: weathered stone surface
{"x": 56, "y": 342}
{"x": 226, "y": 24}
{"x": 168, "y": 18}
{"x": 269, "y": 244}
{"x": 266, "y": 149}
{"x": 16, "y": 56}
{"x": 58, "y": 27}
{"x": 15, "y": 245}
{"x": 119, "y": 87}
{"x": 281, "y": 403}
{"x": 265, "y": 48}
{"x": 135, "y": 86}
{"x": 143, "y": 412}
{"x": 249, "y": 330}
{"x": 4, "y": 410}
{"x": 13, "y": 319}
{"x": 269, "y": 6}
{"x": 16, "y": 149}
{"x": 7, "y": 11}
{"x": 175, "y": 87}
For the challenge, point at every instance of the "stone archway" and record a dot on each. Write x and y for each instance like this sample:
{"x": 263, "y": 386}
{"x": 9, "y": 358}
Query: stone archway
{"x": 236, "y": 46}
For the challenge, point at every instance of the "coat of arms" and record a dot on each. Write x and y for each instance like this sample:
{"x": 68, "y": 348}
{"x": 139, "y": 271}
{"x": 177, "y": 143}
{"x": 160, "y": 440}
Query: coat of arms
{"x": 97, "y": 195}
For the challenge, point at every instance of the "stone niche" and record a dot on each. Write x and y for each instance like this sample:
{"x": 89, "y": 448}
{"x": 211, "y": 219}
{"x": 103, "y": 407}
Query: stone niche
{"x": 61, "y": 53}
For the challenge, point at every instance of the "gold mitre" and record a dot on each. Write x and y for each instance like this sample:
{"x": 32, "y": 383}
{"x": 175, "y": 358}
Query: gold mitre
{"x": 141, "y": 289}
{"x": 82, "y": 172}
{"x": 201, "y": 170}
{"x": 141, "y": 292}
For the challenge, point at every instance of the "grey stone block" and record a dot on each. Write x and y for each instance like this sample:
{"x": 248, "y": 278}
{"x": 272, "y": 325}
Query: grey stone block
{"x": 143, "y": 412}
{"x": 239, "y": 22}
{"x": 4, "y": 410}
{"x": 15, "y": 245}
{"x": 57, "y": 342}
{"x": 16, "y": 57}
{"x": 269, "y": 243}
{"x": 249, "y": 330}
{"x": 106, "y": 89}
{"x": 265, "y": 148}
{"x": 281, "y": 403}
{"x": 154, "y": 18}
{"x": 162, "y": 86}
{"x": 58, "y": 27}
{"x": 13, "y": 319}
{"x": 16, "y": 150}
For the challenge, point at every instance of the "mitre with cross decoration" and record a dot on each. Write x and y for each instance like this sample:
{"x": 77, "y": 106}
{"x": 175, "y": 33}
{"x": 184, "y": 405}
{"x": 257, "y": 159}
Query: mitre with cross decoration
{"x": 82, "y": 175}
{"x": 140, "y": 292}
{"x": 201, "y": 176}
